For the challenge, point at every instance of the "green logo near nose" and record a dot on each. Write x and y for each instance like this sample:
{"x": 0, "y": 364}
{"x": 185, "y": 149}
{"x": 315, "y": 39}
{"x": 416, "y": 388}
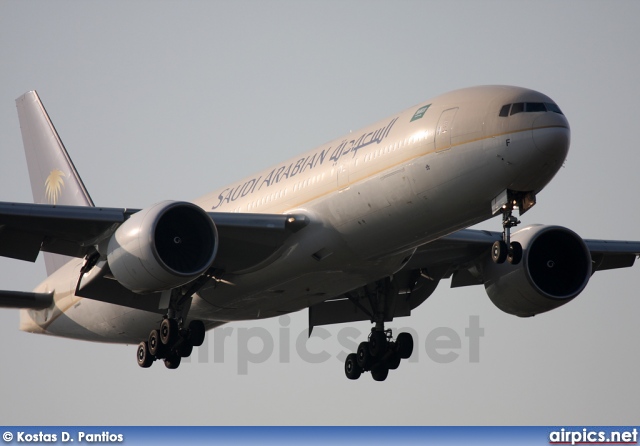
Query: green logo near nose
{"x": 420, "y": 112}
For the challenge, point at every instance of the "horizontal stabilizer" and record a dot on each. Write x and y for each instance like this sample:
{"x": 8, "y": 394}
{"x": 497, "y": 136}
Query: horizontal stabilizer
{"x": 21, "y": 299}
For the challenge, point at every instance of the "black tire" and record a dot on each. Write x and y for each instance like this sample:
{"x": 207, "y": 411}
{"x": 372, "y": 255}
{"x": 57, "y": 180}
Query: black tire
{"x": 378, "y": 344}
{"x": 172, "y": 361}
{"x": 184, "y": 349}
{"x": 380, "y": 372}
{"x": 196, "y": 333}
{"x": 168, "y": 331}
{"x": 394, "y": 361}
{"x": 351, "y": 367}
{"x": 363, "y": 356}
{"x": 156, "y": 348}
{"x": 499, "y": 252}
{"x": 515, "y": 253}
{"x": 145, "y": 358}
{"x": 404, "y": 344}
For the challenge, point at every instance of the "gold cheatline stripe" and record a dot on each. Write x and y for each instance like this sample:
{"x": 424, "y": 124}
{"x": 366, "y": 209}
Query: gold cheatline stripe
{"x": 406, "y": 160}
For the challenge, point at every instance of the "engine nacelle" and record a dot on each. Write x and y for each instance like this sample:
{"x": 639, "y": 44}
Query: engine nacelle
{"x": 555, "y": 268}
{"x": 162, "y": 247}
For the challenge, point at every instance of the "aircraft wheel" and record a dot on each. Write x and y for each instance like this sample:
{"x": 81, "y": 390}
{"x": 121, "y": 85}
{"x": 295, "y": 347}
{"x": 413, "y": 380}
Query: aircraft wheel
{"x": 172, "y": 361}
{"x": 499, "y": 252}
{"x": 515, "y": 253}
{"x": 145, "y": 358}
{"x": 351, "y": 367}
{"x": 404, "y": 343}
{"x": 363, "y": 356}
{"x": 378, "y": 343}
{"x": 380, "y": 372}
{"x": 394, "y": 362}
{"x": 154, "y": 344}
{"x": 185, "y": 349}
{"x": 196, "y": 333}
{"x": 168, "y": 331}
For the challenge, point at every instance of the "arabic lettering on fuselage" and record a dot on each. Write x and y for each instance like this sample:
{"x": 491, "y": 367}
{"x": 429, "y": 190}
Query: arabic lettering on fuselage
{"x": 278, "y": 174}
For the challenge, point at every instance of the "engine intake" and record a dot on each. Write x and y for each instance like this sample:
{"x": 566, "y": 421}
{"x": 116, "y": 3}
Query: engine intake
{"x": 162, "y": 247}
{"x": 555, "y": 268}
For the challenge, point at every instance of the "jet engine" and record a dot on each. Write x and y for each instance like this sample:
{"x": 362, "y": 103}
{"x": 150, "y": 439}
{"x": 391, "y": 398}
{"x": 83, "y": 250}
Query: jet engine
{"x": 555, "y": 268}
{"x": 162, "y": 247}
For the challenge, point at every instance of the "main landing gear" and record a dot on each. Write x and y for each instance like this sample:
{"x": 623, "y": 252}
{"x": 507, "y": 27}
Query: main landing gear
{"x": 171, "y": 343}
{"x": 505, "y": 249}
{"x": 380, "y": 353}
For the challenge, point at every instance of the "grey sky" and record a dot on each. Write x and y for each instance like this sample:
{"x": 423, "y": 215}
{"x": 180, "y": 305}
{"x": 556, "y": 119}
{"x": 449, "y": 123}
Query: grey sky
{"x": 169, "y": 100}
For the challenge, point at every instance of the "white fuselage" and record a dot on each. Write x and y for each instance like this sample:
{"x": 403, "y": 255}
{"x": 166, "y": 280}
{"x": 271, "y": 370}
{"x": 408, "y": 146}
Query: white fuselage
{"x": 372, "y": 196}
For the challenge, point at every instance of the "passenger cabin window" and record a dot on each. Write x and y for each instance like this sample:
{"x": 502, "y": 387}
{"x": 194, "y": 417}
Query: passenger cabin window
{"x": 529, "y": 107}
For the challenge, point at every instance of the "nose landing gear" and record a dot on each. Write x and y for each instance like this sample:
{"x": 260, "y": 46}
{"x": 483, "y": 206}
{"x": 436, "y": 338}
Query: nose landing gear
{"x": 505, "y": 249}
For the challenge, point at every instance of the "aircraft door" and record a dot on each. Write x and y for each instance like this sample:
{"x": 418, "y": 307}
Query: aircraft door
{"x": 443, "y": 130}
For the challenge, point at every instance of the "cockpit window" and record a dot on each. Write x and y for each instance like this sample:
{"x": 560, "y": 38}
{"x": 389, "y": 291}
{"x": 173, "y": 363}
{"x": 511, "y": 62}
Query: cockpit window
{"x": 534, "y": 107}
{"x": 529, "y": 107}
{"x": 553, "y": 107}
{"x": 518, "y": 107}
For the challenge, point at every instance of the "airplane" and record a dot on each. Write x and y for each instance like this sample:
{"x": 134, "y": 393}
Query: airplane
{"x": 361, "y": 228}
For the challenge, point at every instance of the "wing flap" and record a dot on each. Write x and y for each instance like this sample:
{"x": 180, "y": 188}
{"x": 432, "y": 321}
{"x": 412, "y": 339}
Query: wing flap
{"x": 19, "y": 245}
{"x": 109, "y": 290}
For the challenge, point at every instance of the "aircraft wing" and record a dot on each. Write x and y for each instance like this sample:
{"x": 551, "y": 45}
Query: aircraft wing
{"x": 458, "y": 256}
{"x": 26, "y": 229}
{"x": 463, "y": 247}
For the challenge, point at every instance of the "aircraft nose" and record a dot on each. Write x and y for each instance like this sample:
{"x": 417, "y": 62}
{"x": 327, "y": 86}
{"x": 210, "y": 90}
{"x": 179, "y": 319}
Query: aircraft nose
{"x": 552, "y": 135}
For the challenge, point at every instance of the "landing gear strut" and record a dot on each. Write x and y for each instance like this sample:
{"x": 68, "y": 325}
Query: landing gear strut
{"x": 380, "y": 353}
{"x": 172, "y": 341}
{"x": 505, "y": 249}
